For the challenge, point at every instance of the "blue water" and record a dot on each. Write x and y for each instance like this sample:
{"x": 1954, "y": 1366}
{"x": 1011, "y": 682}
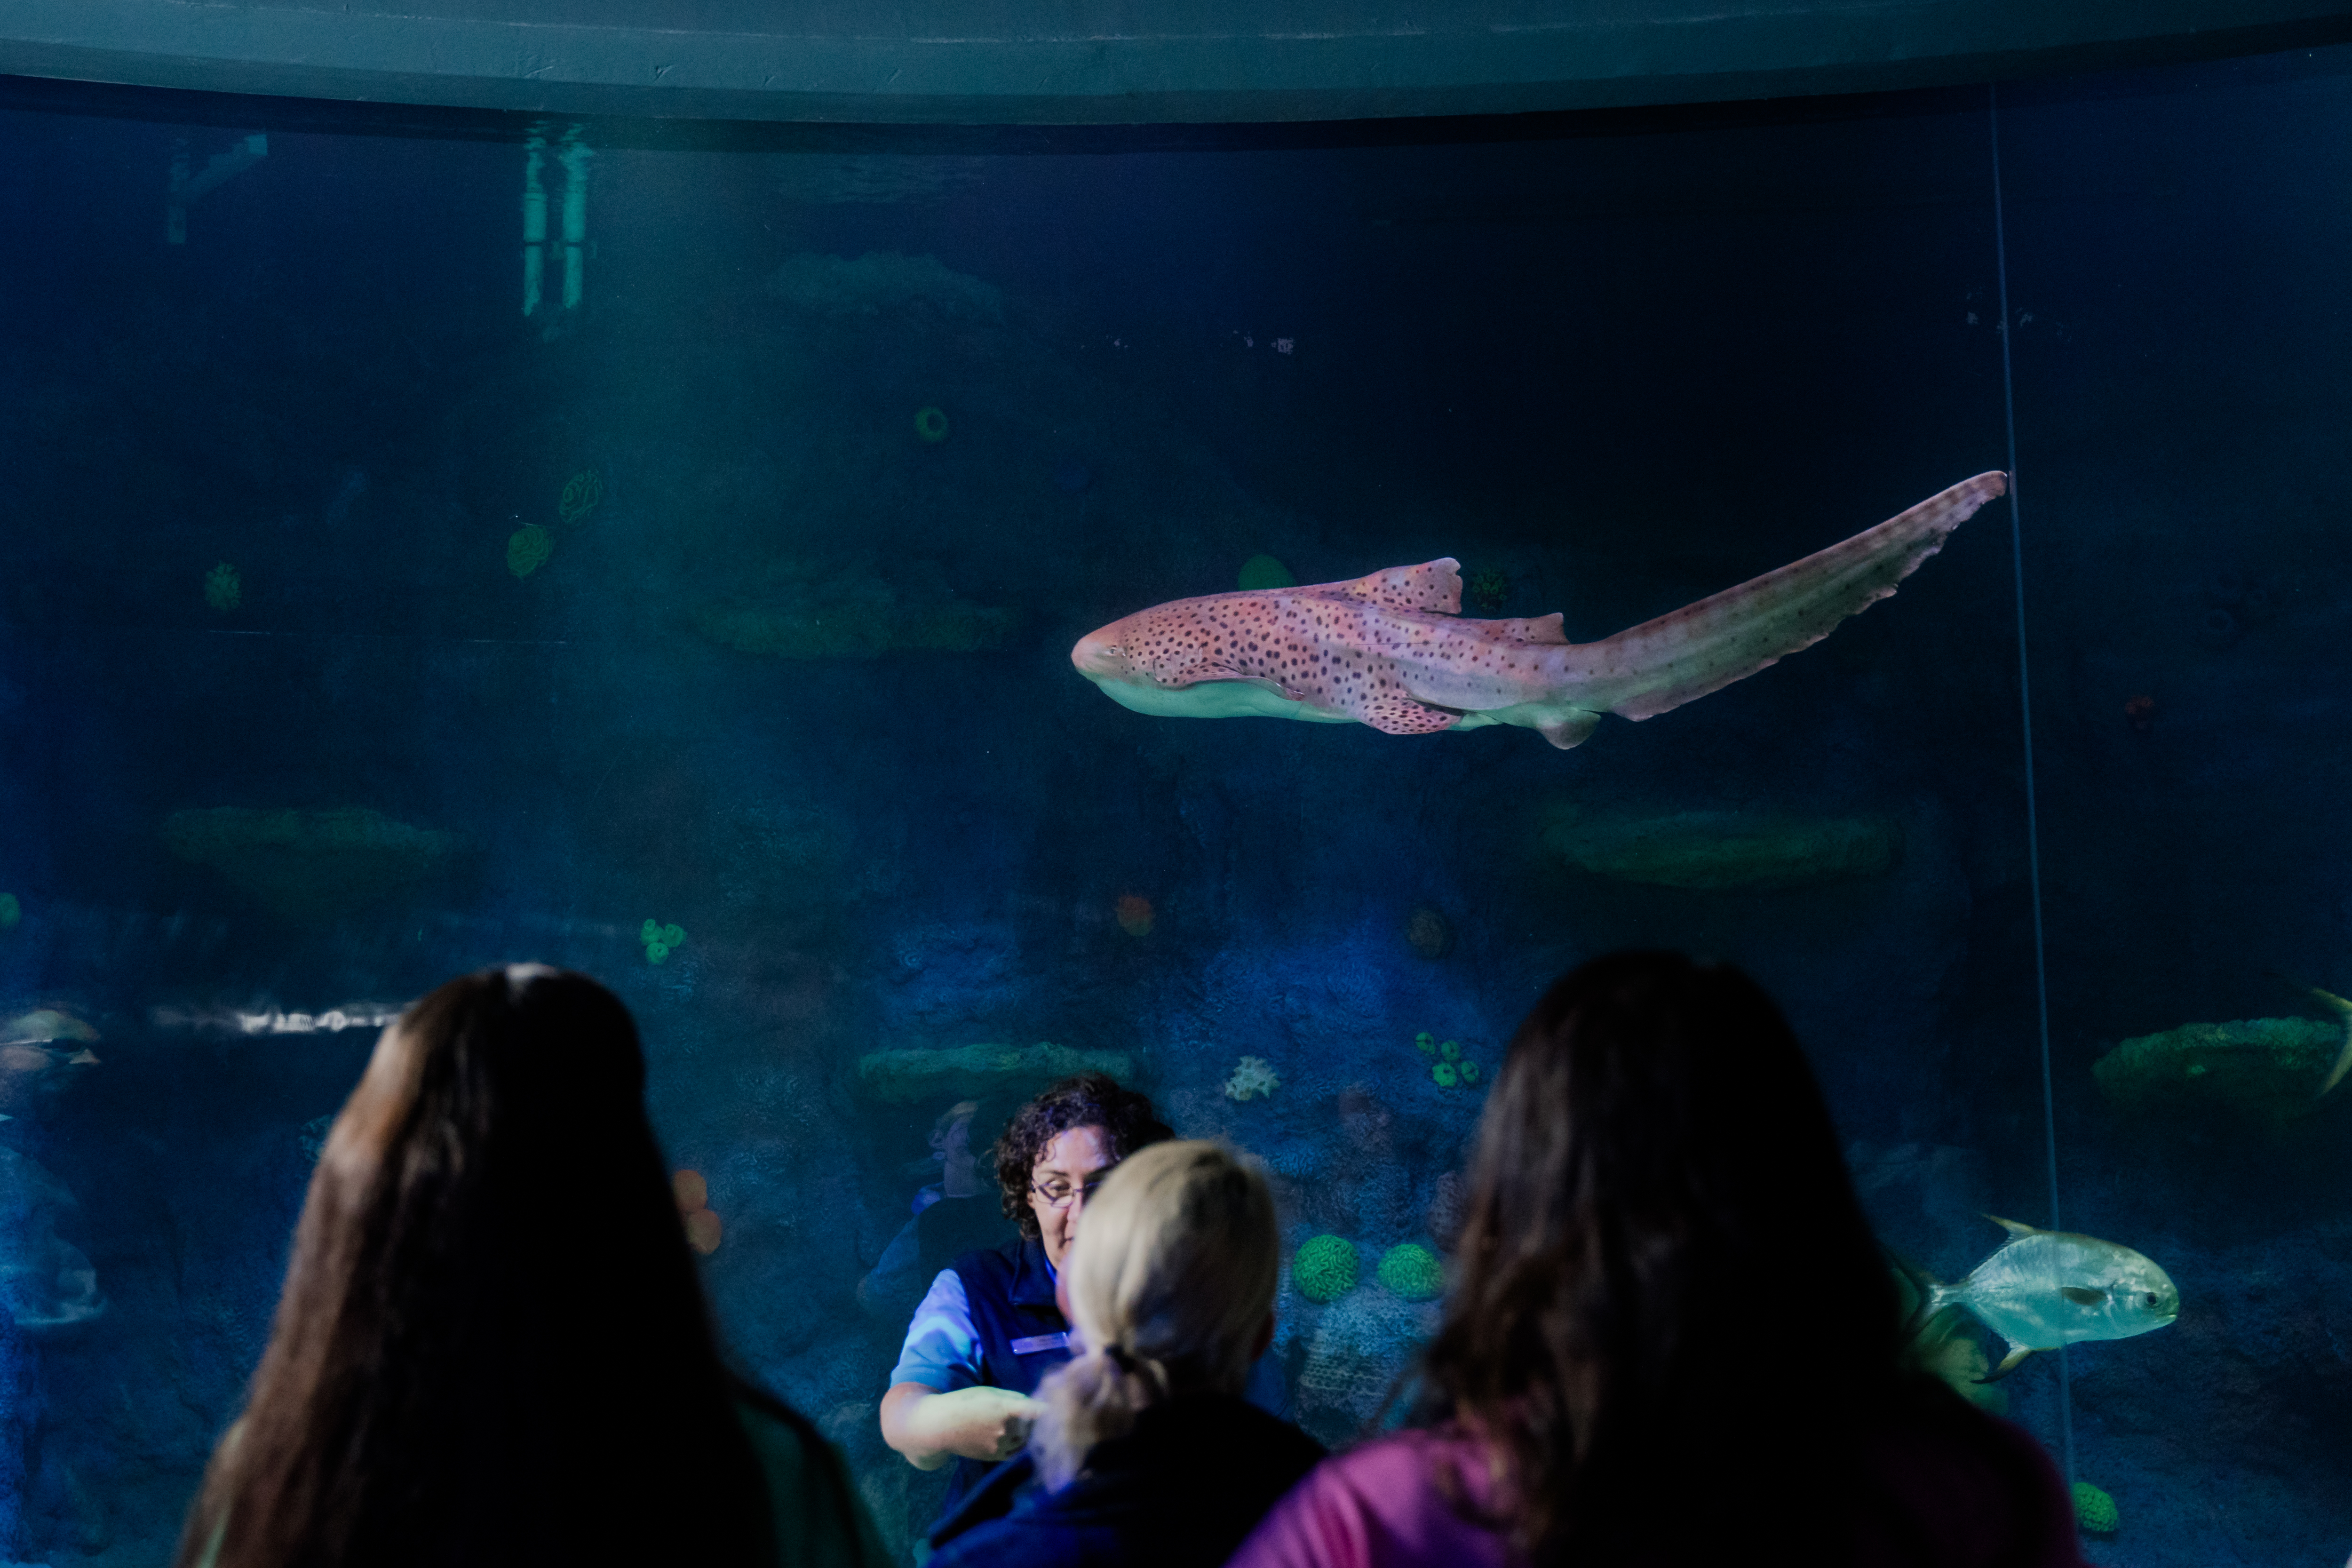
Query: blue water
{"x": 752, "y": 693}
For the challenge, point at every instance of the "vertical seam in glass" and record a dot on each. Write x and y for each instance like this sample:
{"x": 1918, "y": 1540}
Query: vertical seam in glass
{"x": 2025, "y": 715}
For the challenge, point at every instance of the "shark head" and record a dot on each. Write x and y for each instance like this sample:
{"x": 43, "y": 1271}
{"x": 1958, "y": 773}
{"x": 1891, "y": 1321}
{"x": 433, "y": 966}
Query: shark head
{"x": 1099, "y": 657}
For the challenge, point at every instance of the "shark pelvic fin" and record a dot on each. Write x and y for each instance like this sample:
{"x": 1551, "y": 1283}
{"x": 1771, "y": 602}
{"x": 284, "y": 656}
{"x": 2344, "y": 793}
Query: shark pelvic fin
{"x": 1570, "y": 728}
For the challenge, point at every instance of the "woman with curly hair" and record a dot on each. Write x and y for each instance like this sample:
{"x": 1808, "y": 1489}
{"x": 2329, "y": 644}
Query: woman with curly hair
{"x": 1673, "y": 1339}
{"x": 989, "y": 1330}
{"x": 492, "y": 1346}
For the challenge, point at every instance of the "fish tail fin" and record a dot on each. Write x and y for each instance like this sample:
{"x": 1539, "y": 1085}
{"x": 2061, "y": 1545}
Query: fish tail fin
{"x": 1662, "y": 664}
{"x": 2343, "y": 1058}
{"x": 2329, "y": 1000}
{"x": 1929, "y": 1295}
{"x": 2009, "y": 1364}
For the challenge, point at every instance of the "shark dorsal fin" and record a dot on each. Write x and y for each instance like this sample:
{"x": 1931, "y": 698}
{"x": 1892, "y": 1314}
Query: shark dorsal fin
{"x": 1535, "y": 629}
{"x": 2013, "y": 1227}
{"x": 1432, "y": 585}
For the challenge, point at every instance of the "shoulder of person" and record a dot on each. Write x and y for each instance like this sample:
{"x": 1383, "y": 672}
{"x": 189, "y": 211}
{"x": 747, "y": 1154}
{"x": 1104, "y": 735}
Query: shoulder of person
{"x": 819, "y": 1519}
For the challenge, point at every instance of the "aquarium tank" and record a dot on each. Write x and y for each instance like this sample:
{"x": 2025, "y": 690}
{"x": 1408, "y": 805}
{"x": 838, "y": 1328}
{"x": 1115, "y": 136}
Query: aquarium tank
{"x": 756, "y": 562}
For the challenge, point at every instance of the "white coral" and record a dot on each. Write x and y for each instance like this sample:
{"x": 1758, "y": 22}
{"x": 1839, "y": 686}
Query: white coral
{"x": 1253, "y": 1078}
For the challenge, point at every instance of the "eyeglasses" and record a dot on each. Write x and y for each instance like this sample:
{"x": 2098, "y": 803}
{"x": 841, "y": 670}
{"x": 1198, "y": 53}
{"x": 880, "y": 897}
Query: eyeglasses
{"x": 1058, "y": 1192}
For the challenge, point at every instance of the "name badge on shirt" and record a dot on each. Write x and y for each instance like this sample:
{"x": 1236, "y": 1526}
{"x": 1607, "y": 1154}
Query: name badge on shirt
{"x": 1036, "y": 1342}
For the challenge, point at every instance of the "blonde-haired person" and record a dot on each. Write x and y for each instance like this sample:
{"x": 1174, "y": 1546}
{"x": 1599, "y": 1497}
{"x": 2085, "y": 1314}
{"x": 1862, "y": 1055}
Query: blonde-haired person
{"x": 1144, "y": 1451}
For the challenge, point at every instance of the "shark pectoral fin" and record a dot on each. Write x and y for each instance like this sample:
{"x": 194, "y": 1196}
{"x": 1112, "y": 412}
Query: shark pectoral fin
{"x": 1572, "y": 728}
{"x": 2081, "y": 1294}
{"x": 1202, "y": 672}
{"x": 2013, "y": 1226}
{"x": 2009, "y": 1364}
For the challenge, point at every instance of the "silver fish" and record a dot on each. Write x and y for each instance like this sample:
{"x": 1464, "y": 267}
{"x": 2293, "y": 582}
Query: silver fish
{"x": 2044, "y": 1288}
{"x": 43, "y": 1025}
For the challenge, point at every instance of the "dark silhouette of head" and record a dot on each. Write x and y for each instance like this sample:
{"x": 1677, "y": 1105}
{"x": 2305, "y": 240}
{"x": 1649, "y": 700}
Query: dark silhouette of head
{"x": 492, "y": 1347}
{"x": 1671, "y": 1316}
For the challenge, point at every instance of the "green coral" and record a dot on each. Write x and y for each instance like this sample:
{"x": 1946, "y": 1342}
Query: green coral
{"x": 1426, "y": 1043}
{"x": 931, "y": 424}
{"x": 1446, "y": 1074}
{"x": 11, "y": 912}
{"x": 2095, "y": 1511}
{"x": 1486, "y": 589}
{"x": 1411, "y": 1271}
{"x": 1469, "y": 1072}
{"x": 582, "y": 493}
{"x": 529, "y": 549}
{"x": 1261, "y": 571}
{"x": 1324, "y": 1268}
{"x": 1451, "y": 1050}
{"x": 660, "y": 941}
{"x": 224, "y": 590}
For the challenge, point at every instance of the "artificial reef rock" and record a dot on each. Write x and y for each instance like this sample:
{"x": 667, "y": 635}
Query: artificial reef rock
{"x": 969, "y": 1072}
{"x": 2265, "y": 1070}
{"x": 309, "y": 863}
{"x": 1720, "y": 849}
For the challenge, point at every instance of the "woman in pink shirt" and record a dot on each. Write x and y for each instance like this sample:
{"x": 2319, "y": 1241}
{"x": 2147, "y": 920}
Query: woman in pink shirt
{"x": 1672, "y": 1339}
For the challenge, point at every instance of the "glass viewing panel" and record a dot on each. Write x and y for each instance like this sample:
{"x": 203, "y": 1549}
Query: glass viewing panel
{"x": 425, "y": 553}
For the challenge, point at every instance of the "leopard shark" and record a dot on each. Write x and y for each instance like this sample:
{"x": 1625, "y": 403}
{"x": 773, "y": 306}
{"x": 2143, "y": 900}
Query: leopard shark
{"x": 1390, "y": 650}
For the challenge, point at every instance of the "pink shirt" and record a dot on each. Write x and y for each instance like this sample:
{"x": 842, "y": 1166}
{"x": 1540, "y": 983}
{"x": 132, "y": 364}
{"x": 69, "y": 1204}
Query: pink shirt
{"x": 1379, "y": 1507}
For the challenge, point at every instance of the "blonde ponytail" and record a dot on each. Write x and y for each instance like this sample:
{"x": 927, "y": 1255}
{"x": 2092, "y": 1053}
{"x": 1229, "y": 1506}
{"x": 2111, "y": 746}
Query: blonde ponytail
{"x": 1171, "y": 1277}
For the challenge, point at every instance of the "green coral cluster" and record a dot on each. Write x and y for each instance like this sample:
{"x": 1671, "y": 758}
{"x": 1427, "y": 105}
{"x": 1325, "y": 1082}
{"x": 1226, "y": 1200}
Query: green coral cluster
{"x": 1450, "y": 1069}
{"x": 1411, "y": 1271}
{"x": 224, "y": 590}
{"x": 1487, "y": 588}
{"x": 582, "y": 494}
{"x": 1262, "y": 572}
{"x": 930, "y": 425}
{"x": 1324, "y": 1268}
{"x": 529, "y": 547}
{"x": 2095, "y": 1511}
{"x": 660, "y": 940}
{"x": 11, "y": 912}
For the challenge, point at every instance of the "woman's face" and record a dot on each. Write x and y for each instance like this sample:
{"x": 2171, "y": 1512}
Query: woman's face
{"x": 1067, "y": 1163}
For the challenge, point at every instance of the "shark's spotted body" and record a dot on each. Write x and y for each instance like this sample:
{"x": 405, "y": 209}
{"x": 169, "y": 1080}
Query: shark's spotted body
{"x": 1389, "y": 650}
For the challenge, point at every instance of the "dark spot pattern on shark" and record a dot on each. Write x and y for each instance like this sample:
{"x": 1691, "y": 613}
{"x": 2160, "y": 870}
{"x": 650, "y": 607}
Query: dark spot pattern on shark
{"x": 1390, "y": 650}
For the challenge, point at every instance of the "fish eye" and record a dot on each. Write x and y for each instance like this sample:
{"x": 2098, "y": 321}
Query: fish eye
{"x": 2152, "y": 1298}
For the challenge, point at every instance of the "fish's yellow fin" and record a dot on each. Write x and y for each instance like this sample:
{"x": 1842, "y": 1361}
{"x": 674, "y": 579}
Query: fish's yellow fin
{"x": 2009, "y": 1364}
{"x": 2013, "y": 1227}
{"x": 2343, "y": 1058}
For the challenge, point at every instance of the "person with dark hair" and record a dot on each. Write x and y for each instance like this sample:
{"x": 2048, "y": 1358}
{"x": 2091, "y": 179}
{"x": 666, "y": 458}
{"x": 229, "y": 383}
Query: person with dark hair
{"x": 492, "y": 1347}
{"x": 1673, "y": 1338}
{"x": 989, "y": 1330}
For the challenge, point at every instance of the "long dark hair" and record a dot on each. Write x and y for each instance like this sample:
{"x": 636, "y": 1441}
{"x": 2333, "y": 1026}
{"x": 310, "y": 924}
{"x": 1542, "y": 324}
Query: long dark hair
{"x": 492, "y": 1347}
{"x": 1672, "y": 1317}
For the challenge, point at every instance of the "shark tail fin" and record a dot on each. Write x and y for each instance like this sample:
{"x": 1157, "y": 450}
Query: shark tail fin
{"x": 1702, "y": 647}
